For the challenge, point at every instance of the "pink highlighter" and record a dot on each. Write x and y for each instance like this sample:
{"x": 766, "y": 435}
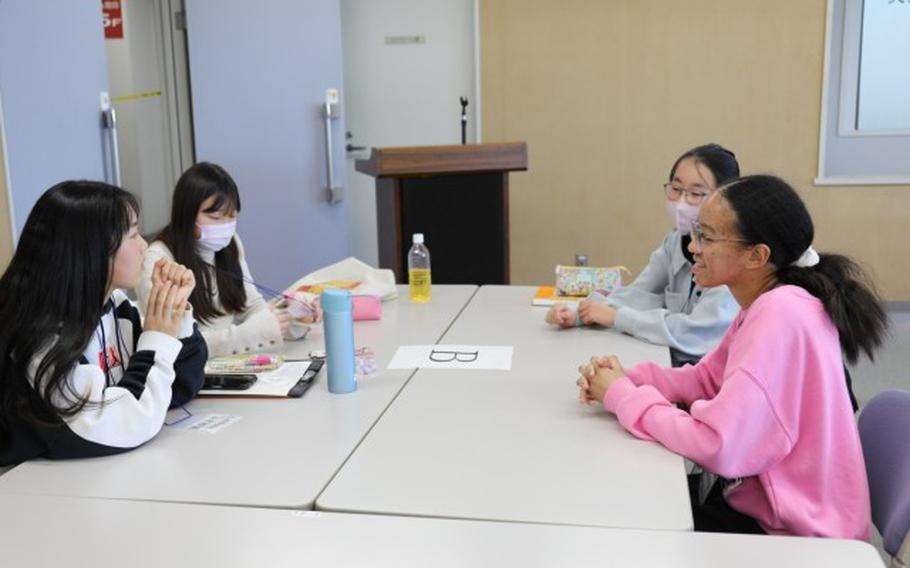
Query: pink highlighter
{"x": 366, "y": 308}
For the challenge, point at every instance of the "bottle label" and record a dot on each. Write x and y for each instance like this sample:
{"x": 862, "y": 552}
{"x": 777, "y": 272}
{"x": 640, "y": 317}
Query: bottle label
{"x": 419, "y": 283}
{"x": 419, "y": 277}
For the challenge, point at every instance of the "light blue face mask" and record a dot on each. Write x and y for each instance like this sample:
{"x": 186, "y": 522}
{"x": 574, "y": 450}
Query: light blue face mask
{"x": 213, "y": 238}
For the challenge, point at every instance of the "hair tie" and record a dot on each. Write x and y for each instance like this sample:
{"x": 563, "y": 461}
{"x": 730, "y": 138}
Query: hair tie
{"x": 808, "y": 259}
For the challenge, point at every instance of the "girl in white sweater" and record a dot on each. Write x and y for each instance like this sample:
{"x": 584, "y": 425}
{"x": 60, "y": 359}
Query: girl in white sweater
{"x": 232, "y": 314}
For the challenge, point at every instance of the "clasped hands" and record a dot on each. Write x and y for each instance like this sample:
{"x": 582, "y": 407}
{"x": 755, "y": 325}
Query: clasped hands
{"x": 172, "y": 284}
{"x": 596, "y": 377}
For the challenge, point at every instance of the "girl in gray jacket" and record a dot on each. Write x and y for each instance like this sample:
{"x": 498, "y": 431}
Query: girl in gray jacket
{"x": 664, "y": 305}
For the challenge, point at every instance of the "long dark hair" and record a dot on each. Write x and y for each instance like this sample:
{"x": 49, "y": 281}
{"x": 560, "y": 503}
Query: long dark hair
{"x": 769, "y": 211}
{"x": 52, "y": 295}
{"x": 719, "y": 160}
{"x": 197, "y": 184}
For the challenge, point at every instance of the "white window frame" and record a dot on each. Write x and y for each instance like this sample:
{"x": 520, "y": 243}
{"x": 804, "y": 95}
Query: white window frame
{"x": 848, "y": 156}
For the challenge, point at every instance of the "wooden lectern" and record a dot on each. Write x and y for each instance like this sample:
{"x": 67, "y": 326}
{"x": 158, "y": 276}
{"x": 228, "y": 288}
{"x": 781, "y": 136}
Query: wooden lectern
{"x": 457, "y": 196}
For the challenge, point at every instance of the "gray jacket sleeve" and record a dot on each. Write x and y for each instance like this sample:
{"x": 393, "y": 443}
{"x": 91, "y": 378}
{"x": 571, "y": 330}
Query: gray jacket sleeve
{"x": 647, "y": 291}
{"x": 696, "y": 332}
{"x": 694, "y": 325}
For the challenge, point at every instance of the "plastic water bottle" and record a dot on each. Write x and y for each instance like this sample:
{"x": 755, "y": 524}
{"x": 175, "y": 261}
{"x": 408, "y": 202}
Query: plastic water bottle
{"x": 419, "y": 279}
{"x": 339, "y": 340}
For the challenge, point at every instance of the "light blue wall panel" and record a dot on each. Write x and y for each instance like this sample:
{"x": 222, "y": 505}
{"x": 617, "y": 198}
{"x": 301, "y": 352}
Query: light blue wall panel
{"x": 52, "y": 71}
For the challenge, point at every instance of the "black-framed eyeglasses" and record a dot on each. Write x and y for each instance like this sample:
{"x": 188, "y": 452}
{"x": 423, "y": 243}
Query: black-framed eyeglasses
{"x": 700, "y": 238}
{"x": 674, "y": 192}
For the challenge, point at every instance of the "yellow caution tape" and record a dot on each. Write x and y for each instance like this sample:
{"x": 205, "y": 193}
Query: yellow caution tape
{"x": 148, "y": 95}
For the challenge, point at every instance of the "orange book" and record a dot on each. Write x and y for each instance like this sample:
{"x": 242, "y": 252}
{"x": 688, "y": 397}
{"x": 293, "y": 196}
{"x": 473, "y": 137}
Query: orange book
{"x": 549, "y": 295}
{"x": 318, "y": 287}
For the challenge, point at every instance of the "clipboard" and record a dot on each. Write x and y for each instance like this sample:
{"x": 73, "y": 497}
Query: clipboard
{"x": 290, "y": 380}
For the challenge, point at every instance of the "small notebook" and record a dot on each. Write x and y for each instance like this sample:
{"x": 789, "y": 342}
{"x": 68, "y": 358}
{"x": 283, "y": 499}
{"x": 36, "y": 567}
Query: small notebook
{"x": 549, "y": 295}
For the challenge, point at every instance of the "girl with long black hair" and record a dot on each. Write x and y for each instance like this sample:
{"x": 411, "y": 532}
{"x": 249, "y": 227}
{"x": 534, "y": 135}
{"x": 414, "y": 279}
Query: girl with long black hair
{"x": 79, "y": 374}
{"x": 202, "y": 235}
{"x": 769, "y": 409}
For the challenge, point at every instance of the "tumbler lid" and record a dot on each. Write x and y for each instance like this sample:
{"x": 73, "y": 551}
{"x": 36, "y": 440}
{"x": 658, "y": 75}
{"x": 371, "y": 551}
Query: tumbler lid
{"x": 335, "y": 300}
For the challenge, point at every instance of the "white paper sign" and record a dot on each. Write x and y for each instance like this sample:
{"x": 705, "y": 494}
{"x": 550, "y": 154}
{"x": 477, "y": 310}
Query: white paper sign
{"x": 496, "y": 357}
{"x": 212, "y": 423}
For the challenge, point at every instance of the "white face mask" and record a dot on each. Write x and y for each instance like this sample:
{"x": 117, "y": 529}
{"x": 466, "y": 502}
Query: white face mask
{"x": 213, "y": 238}
{"x": 682, "y": 215}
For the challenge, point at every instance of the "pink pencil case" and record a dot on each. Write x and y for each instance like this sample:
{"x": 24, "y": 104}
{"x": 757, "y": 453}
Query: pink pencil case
{"x": 366, "y": 308}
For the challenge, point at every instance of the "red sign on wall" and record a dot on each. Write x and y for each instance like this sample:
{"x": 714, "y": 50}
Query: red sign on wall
{"x": 112, "y": 13}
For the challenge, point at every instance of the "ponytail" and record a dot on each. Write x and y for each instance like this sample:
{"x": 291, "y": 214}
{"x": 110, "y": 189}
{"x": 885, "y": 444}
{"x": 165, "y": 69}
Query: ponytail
{"x": 769, "y": 211}
{"x": 850, "y": 299}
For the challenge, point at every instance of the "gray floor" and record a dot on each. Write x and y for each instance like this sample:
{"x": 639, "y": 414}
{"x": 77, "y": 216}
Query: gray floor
{"x": 891, "y": 370}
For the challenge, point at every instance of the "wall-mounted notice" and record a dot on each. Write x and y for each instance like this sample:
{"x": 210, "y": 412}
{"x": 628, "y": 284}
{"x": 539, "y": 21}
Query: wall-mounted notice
{"x": 405, "y": 39}
{"x": 112, "y": 15}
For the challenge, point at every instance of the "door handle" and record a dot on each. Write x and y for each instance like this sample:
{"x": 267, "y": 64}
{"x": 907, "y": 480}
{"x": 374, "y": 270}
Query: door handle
{"x": 352, "y": 148}
{"x": 109, "y": 123}
{"x": 330, "y": 112}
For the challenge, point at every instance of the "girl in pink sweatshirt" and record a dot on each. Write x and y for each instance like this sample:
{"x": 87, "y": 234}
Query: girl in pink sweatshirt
{"x": 768, "y": 409}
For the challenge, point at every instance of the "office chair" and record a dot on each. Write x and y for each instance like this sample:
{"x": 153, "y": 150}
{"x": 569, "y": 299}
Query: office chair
{"x": 884, "y": 429}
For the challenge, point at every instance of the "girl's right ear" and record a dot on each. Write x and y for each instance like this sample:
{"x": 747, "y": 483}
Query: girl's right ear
{"x": 759, "y": 256}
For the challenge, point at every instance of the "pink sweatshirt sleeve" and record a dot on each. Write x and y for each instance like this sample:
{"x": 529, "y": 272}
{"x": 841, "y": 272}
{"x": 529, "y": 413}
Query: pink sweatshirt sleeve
{"x": 684, "y": 384}
{"x": 735, "y": 434}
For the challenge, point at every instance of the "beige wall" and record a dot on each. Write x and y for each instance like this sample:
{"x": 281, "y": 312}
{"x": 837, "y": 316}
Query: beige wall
{"x": 608, "y": 93}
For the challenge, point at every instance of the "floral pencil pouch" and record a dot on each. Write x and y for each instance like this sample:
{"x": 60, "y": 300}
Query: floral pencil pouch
{"x": 582, "y": 280}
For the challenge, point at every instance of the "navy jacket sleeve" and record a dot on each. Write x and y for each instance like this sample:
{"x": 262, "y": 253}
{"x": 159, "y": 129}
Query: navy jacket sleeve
{"x": 189, "y": 368}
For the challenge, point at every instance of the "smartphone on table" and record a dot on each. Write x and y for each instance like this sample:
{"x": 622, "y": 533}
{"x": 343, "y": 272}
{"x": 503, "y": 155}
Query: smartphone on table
{"x": 228, "y": 381}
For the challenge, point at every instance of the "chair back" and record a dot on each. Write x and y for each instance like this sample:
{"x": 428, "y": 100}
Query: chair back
{"x": 884, "y": 428}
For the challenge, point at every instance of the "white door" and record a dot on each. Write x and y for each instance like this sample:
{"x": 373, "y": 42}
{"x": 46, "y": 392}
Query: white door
{"x": 147, "y": 73}
{"x": 259, "y": 72}
{"x": 406, "y": 65}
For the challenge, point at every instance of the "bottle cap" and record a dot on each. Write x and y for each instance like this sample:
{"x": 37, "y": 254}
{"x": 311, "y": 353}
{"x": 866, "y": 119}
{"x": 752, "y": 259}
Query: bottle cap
{"x": 335, "y": 300}
{"x": 418, "y": 238}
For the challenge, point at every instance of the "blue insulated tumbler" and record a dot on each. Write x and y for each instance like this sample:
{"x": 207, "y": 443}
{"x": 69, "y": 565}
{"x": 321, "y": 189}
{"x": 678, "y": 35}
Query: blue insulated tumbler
{"x": 339, "y": 340}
